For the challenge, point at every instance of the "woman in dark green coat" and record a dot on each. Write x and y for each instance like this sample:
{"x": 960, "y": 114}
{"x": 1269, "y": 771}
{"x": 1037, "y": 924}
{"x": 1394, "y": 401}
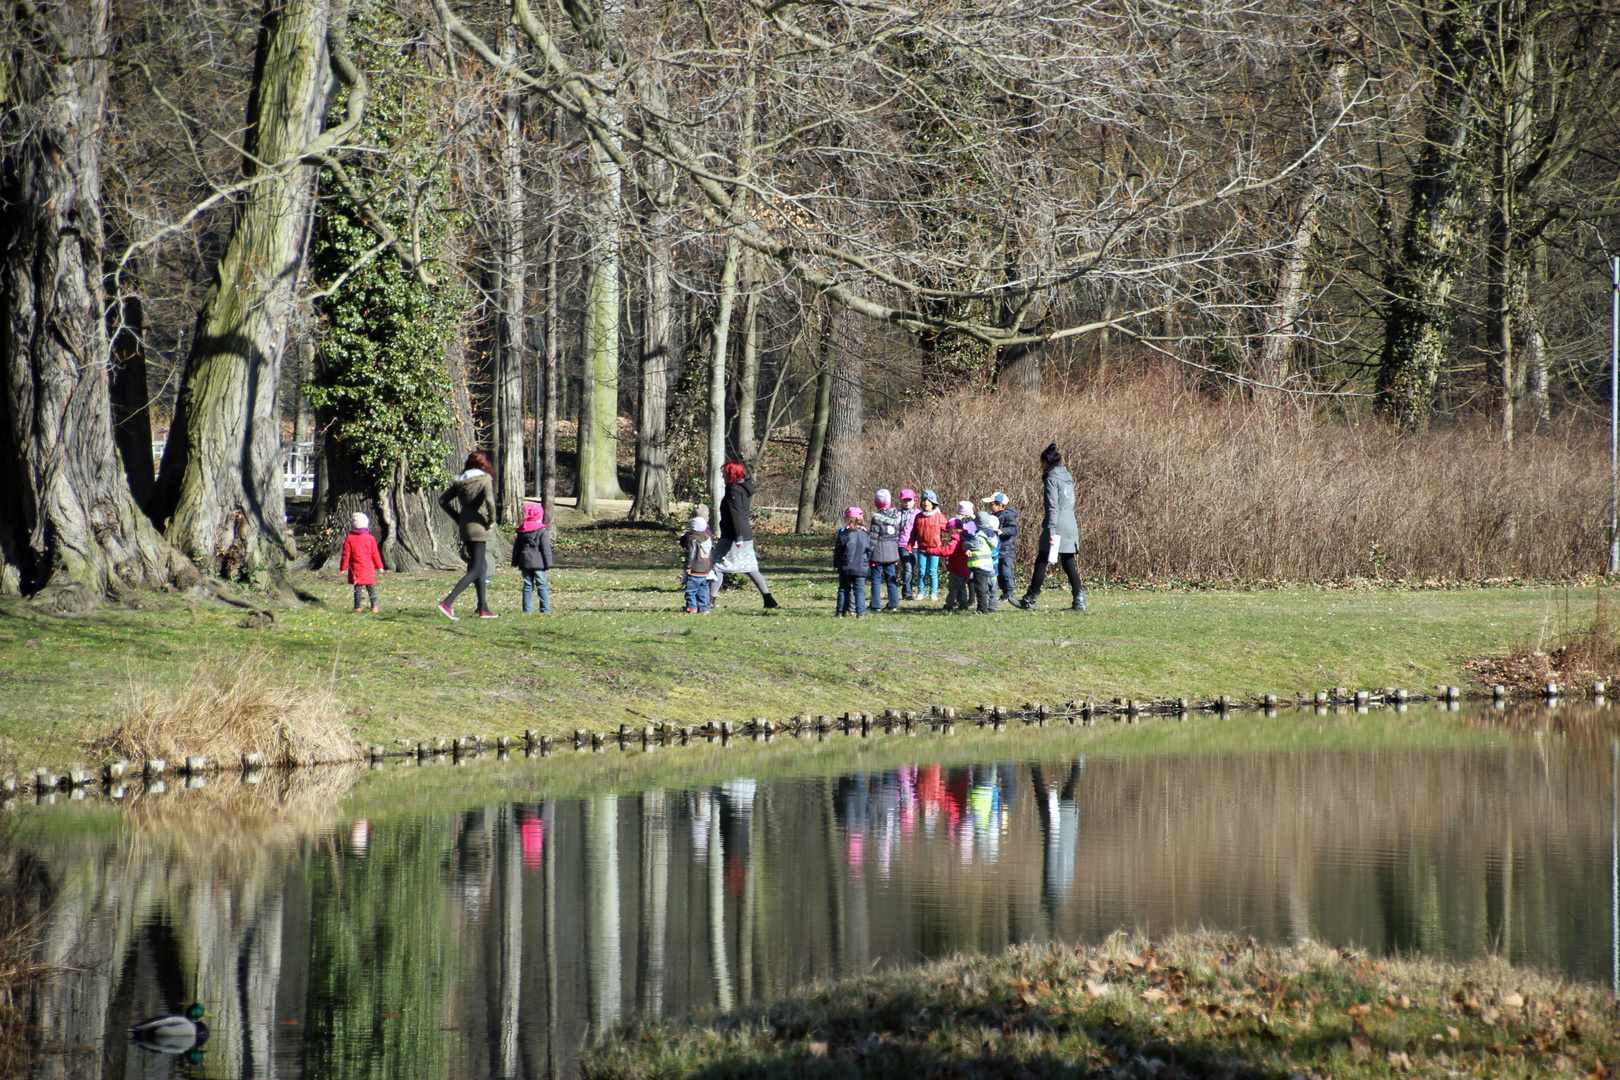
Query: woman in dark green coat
{"x": 471, "y": 501}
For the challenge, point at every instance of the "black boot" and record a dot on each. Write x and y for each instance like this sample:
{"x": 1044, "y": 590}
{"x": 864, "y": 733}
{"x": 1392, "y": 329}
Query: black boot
{"x": 1079, "y": 601}
{"x": 770, "y": 601}
{"x": 1027, "y": 603}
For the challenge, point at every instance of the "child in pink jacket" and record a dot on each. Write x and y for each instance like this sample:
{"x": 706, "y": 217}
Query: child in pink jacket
{"x": 362, "y": 559}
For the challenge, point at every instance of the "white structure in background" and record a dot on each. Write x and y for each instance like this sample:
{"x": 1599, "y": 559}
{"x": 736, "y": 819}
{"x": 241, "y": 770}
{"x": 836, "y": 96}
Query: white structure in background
{"x": 297, "y": 467}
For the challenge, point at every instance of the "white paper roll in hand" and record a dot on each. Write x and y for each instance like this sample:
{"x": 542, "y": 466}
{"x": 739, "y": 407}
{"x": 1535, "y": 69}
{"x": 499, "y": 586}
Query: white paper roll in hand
{"x": 1052, "y": 550}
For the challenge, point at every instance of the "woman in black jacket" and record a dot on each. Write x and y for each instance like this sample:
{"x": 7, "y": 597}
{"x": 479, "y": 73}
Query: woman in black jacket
{"x": 735, "y": 554}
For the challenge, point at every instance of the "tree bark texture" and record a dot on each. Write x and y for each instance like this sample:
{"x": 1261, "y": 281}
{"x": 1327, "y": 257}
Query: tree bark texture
{"x": 652, "y": 432}
{"x": 810, "y": 479}
{"x": 748, "y": 379}
{"x": 70, "y": 532}
{"x": 509, "y": 358}
{"x": 844, "y": 426}
{"x": 220, "y": 490}
{"x": 599, "y": 411}
{"x": 1420, "y": 283}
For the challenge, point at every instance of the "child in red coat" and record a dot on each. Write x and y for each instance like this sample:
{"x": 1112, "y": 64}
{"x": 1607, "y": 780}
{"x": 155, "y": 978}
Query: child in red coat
{"x": 362, "y": 559}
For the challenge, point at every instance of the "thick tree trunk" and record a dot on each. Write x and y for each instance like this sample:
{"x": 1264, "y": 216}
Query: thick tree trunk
{"x": 1419, "y": 284}
{"x": 220, "y": 490}
{"x": 599, "y": 409}
{"x": 509, "y": 358}
{"x": 652, "y": 432}
{"x": 844, "y": 418}
{"x": 70, "y": 530}
{"x": 810, "y": 479}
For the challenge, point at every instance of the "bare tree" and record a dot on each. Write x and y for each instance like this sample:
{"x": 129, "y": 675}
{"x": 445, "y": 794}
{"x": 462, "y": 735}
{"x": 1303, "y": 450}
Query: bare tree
{"x": 73, "y": 533}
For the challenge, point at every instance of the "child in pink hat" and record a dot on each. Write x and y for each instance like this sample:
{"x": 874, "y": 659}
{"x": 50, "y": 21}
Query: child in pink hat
{"x": 531, "y": 554}
{"x": 908, "y": 551}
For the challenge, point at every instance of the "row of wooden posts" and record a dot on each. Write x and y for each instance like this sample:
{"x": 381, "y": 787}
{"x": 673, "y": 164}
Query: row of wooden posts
{"x": 941, "y": 720}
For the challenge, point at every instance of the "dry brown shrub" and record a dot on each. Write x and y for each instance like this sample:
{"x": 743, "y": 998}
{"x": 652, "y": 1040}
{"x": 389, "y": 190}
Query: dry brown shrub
{"x": 1174, "y": 484}
{"x": 1576, "y": 654}
{"x": 233, "y": 706}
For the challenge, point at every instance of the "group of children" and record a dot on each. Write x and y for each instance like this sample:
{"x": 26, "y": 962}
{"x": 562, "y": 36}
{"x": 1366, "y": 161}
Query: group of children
{"x": 901, "y": 550}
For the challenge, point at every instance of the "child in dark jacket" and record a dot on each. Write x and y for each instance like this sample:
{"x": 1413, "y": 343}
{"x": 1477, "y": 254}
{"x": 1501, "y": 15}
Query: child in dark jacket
{"x": 531, "y": 554}
{"x": 852, "y": 557}
{"x": 1007, "y": 519}
{"x": 697, "y": 553}
{"x": 362, "y": 559}
{"x": 963, "y": 536}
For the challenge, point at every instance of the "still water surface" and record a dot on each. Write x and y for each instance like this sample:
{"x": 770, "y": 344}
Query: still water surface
{"x": 498, "y": 938}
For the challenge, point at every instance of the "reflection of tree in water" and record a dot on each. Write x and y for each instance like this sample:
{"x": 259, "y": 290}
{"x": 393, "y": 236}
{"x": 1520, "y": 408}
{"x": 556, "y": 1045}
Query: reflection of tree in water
{"x": 498, "y": 940}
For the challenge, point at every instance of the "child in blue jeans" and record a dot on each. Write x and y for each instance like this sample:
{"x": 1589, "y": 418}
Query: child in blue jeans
{"x": 697, "y": 550}
{"x": 852, "y": 557}
{"x": 531, "y": 554}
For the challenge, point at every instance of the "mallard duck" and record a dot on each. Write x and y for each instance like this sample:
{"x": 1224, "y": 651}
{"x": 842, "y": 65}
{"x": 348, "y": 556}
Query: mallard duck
{"x": 173, "y": 1034}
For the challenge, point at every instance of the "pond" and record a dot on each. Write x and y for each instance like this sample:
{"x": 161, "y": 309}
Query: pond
{"x": 493, "y": 920}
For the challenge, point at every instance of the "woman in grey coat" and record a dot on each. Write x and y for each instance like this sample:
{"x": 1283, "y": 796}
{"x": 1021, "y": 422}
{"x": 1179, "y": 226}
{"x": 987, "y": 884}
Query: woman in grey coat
{"x": 1057, "y": 528}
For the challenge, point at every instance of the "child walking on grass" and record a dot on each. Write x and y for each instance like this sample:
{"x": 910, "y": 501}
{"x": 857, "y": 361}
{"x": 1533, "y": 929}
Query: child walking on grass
{"x": 531, "y": 554}
{"x": 697, "y": 551}
{"x": 852, "y": 557}
{"x": 362, "y": 559}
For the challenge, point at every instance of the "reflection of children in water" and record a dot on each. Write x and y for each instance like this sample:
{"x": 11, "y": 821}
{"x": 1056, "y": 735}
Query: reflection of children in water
{"x": 733, "y": 802}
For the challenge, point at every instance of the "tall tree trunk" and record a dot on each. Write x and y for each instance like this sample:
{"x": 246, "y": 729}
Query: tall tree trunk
{"x": 748, "y": 374}
{"x": 717, "y": 369}
{"x": 548, "y": 439}
{"x": 599, "y": 409}
{"x": 652, "y": 431}
{"x": 1275, "y": 363}
{"x": 1419, "y": 284}
{"x": 509, "y": 358}
{"x": 845, "y": 419}
{"x": 70, "y": 530}
{"x": 810, "y": 479}
{"x": 131, "y": 409}
{"x": 220, "y": 490}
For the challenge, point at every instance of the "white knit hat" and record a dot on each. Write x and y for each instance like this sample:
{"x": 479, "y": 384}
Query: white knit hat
{"x": 361, "y": 521}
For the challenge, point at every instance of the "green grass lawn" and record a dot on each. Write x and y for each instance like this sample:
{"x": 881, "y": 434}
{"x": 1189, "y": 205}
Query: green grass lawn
{"x": 618, "y": 648}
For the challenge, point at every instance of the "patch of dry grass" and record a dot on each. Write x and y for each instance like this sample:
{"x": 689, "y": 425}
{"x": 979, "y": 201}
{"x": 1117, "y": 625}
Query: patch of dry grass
{"x": 1173, "y": 483}
{"x": 233, "y": 706}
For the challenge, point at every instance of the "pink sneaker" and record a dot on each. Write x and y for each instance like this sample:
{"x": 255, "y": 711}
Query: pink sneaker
{"x": 448, "y": 612}
{"x": 488, "y": 615}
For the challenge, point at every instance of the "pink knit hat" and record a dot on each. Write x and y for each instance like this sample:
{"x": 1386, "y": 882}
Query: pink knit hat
{"x": 855, "y": 513}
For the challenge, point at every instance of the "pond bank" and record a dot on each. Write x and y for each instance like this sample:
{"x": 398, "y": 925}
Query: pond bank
{"x": 619, "y": 651}
{"x": 1187, "y": 1005}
